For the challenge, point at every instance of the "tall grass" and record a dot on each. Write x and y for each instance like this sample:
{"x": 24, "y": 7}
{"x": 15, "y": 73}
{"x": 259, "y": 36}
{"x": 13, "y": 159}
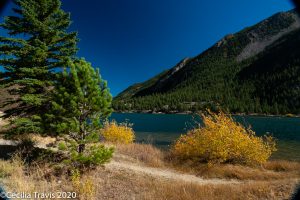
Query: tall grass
{"x": 109, "y": 183}
{"x": 145, "y": 153}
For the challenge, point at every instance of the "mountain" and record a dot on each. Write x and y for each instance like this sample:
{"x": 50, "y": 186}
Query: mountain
{"x": 256, "y": 70}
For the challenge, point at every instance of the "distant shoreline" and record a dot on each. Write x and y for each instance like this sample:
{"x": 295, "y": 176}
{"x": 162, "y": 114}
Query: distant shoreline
{"x": 190, "y": 113}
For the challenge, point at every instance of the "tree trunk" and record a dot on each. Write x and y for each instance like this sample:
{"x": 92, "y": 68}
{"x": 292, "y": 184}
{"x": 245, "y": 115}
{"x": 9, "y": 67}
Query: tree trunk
{"x": 81, "y": 148}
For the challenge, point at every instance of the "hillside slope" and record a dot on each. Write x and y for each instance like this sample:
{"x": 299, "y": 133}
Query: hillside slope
{"x": 254, "y": 70}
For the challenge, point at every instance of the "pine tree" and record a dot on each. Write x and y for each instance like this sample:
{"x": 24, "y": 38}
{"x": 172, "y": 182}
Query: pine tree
{"x": 81, "y": 101}
{"x": 37, "y": 46}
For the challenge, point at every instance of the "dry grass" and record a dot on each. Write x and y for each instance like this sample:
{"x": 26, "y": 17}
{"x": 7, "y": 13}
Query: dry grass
{"x": 185, "y": 191}
{"x": 17, "y": 178}
{"x": 125, "y": 185}
{"x": 145, "y": 153}
{"x": 282, "y": 165}
{"x": 154, "y": 157}
{"x": 42, "y": 140}
{"x": 275, "y": 180}
{"x": 7, "y": 168}
{"x": 3, "y": 122}
{"x": 118, "y": 184}
{"x": 245, "y": 173}
{"x": 228, "y": 171}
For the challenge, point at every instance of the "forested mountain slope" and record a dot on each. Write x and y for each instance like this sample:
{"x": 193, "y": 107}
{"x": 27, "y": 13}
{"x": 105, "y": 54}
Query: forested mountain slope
{"x": 256, "y": 70}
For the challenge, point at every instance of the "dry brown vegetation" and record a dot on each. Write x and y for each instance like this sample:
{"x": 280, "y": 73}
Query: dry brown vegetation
{"x": 272, "y": 170}
{"x": 154, "y": 157}
{"x": 282, "y": 165}
{"x": 186, "y": 191}
{"x": 145, "y": 153}
{"x": 3, "y": 122}
{"x": 5, "y": 97}
{"x": 273, "y": 180}
{"x": 17, "y": 177}
{"x": 43, "y": 141}
{"x": 126, "y": 185}
{"x": 106, "y": 183}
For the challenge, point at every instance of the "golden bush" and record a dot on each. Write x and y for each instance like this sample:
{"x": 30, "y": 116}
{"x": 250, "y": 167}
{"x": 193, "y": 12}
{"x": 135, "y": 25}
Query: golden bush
{"x": 84, "y": 188}
{"x": 222, "y": 140}
{"x": 118, "y": 133}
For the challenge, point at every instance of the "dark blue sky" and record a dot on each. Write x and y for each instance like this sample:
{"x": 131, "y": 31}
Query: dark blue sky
{"x": 133, "y": 40}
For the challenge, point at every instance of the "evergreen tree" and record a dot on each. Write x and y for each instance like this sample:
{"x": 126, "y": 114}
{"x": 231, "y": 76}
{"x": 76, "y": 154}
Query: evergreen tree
{"x": 81, "y": 101}
{"x": 37, "y": 46}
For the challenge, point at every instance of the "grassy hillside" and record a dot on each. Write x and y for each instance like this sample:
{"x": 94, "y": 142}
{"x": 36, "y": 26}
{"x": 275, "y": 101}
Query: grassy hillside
{"x": 254, "y": 70}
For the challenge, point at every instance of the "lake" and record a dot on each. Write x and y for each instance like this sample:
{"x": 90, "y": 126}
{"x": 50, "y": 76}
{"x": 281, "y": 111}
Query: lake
{"x": 162, "y": 129}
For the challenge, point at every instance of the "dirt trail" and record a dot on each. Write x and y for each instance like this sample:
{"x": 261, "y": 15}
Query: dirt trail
{"x": 165, "y": 173}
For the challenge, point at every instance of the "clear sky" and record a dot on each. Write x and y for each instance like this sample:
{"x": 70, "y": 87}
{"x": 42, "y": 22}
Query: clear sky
{"x": 133, "y": 40}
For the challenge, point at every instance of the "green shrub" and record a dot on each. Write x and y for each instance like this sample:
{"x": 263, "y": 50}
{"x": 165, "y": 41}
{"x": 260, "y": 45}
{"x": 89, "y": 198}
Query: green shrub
{"x": 95, "y": 154}
{"x": 62, "y": 146}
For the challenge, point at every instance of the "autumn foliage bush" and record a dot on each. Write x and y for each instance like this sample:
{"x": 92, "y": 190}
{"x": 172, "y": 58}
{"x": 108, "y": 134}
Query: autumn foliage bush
{"x": 118, "y": 133}
{"x": 222, "y": 140}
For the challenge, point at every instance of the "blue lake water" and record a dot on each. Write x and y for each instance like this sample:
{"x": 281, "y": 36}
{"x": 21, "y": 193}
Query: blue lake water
{"x": 162, "y": 129}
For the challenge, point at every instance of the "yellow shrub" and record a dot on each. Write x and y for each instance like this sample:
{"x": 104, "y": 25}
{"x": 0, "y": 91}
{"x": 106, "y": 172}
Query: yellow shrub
{"x": 222, "y": 140}
{"x": 84, "y": 188}
{"x": 290, "y": 115}
{"x": 118, "y": 133}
